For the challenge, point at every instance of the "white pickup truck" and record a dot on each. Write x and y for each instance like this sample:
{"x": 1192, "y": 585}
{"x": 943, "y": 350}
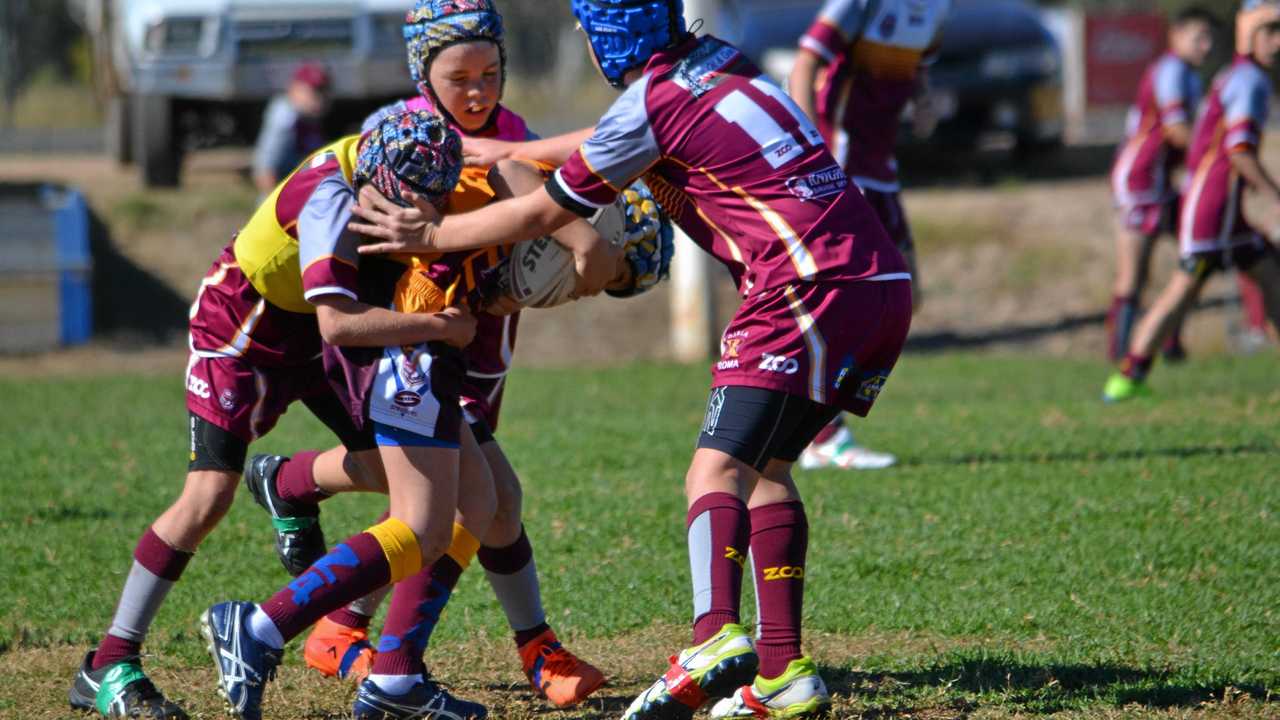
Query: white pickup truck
{"x": 179, "y": 74}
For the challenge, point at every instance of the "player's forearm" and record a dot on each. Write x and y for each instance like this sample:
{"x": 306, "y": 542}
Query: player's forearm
{"x": 510, "y": 221}
{"x": 803, "y": 80}
{"x": 348, "y": 323}
{"x": 1250, "y": 168}
{"x": 1178, "y": 135}
{"x": 553, "y": 150}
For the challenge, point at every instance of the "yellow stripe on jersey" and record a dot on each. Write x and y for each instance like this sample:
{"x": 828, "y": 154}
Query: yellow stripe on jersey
{"x": 264, "y": 248}
{"x": 806, "y": 267}
{"x": 886, "y": 61}
{"x": 814, "y": 342}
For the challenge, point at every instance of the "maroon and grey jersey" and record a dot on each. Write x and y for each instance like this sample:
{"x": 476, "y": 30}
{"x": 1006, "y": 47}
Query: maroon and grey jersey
{"x": 875, "y": 50}
{"x": 1231, "y": 121}
{"x": 738, "y": 167}
{"x": 1168, "y": 95}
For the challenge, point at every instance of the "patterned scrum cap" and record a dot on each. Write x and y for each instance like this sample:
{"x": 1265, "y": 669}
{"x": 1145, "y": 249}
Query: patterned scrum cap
{"x": 434, "y": 25}
{"x": 416, "y": 152}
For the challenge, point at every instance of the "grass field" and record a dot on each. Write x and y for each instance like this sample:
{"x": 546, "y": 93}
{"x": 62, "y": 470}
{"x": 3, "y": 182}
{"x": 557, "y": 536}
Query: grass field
{"x": 1035, "y": 553}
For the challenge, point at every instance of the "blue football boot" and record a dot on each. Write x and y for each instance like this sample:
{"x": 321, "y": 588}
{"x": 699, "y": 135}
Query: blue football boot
{"x": 426, "y": 701}
{"x": 244, "y": 663}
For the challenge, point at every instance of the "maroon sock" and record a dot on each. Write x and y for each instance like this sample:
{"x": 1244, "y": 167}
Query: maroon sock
{"x": 350, "y": 570}
{"x": 296, "y": 480}
{"x": 719, "y": 530}
{"x": 156, "y": 568}
{"x": 1254, "y": 305}
{"x": 346, "y": 617}
{"x": 1136, "y": 367}
{"x": 1119, "y": 326}
{"x": 416, "y": 604}
{"x": 779, "y": 541}
{"x": 829, "y": 431}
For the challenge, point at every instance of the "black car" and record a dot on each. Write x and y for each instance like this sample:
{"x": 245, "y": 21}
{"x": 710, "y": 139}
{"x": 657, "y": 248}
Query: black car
{"x": 999, "y": 68}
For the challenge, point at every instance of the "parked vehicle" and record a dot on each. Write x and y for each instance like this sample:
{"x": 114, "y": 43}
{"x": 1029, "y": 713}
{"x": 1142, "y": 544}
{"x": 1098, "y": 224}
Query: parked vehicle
{"x": 998, "y": 69}
{"x": 193, "y": 73}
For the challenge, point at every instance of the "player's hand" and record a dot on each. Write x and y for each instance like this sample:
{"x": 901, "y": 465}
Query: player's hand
{"x": 924, "y": 119}
{"x": 459, "y": 325}
{"x": 504, "y": 305}
{"x": 597, "y": 267}
{"x": 394, "y": 229}
{"x": 484, "y": 152}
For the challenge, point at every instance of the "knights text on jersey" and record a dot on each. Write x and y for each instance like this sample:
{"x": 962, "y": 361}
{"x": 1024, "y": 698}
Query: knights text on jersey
{"x": 739, "y": 168}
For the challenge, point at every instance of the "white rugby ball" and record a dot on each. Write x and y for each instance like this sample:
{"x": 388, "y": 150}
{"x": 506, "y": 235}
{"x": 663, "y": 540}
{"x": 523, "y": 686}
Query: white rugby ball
{"x": 541, "y": 273}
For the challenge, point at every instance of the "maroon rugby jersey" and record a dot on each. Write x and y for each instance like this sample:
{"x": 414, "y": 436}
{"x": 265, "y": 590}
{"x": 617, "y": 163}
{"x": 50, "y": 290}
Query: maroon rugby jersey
{"x": 738, "y": 167}
{"x": 1167, "y": 95}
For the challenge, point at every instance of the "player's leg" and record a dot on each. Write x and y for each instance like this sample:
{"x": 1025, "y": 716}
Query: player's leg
{"x": 1253, "y": 303}
{"x": 111, "y": 679}
{"x": 1165, "y": 314}
{"x": 1133, "y": 255}
{"x": 1264, "y": 273}
{"x": 507, "y": 558}
{"x": 290, "y": 489}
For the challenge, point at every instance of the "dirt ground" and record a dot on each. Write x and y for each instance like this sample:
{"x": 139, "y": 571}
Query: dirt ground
{"x": 1015, "y": 256}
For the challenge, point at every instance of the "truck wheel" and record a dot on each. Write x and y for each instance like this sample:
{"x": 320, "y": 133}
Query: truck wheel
{"x": 119, "y": 136}
{"x": 156, "y": 146}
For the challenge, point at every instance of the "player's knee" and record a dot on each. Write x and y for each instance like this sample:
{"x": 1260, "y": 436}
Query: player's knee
{"x": 207, "y": 498}
{"x": 434, "y": 541}
{"x": 365, "y": 470}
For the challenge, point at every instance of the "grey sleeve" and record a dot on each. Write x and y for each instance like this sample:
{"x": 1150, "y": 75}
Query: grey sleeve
{"x": 849, "y": 16}
{"x": 1172, "y": 79}
{"x": 398, "y": 107}
{"x": 327, "y": 250}
{"x": 275, "y": 138}
{"x": 623, "y": 146}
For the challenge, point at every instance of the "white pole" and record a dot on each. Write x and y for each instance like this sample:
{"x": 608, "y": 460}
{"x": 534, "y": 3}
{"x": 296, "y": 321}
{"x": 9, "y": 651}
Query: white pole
{"x": 694, "y": 335}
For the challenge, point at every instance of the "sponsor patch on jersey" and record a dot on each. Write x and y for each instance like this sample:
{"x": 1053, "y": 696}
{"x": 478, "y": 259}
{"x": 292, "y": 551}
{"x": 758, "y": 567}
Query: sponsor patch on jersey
{"x": 817, "y": 185}
{"x": 872, "y": 387}
{"x": 706, "y": 67}
{"x": 228, "y": 399}
{"x": 407, "y": 399}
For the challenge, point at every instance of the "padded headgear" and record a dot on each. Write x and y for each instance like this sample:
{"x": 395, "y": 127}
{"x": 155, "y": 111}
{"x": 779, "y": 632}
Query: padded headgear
{"x": 1253, "y": 16}
{"x": 414, "y": 151}
{"x": 434, "y": 25}
{"x": 624, "y": 34}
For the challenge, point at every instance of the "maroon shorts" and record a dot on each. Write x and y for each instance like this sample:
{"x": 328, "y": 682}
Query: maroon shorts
{"x": 888, "y": 207}
{"x": 833, "y": 343}
{"x": 248, "y": 401}
{"x": 1150, "y": 220}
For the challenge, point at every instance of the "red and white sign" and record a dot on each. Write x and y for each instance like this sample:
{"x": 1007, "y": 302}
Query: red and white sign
{"x": 1118, "y": 48}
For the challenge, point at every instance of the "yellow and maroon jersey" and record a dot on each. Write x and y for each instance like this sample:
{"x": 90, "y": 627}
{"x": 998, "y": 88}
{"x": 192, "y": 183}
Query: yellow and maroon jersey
{"x": 875, "y": 50}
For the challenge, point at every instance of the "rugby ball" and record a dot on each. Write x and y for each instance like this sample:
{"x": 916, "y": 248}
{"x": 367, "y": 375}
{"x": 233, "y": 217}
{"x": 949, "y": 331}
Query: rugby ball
{"x": 541, "y": 273}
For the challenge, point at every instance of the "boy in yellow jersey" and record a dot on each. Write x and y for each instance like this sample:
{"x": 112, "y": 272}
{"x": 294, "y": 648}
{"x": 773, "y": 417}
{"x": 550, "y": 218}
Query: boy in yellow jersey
{"x": 256, "y": 344}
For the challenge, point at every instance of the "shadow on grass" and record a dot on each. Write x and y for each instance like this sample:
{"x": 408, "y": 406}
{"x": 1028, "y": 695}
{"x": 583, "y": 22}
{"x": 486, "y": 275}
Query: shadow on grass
{"x": 1176, "y": 453}
{"x": 960, "y": 682}
{"x": 129, "y": 301}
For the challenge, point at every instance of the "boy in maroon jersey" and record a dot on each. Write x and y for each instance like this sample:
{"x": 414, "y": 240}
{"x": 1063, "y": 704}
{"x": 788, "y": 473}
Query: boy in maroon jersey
{"x": 1223, "y": 160}
{"x": 1158, "y": 132}
{"x": 825, "y": 313}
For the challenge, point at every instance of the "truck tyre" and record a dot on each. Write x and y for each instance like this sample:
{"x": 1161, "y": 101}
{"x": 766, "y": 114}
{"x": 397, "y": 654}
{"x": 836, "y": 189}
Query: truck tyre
{"x": 119, "y": 135}
{"x": 156, "y": 145}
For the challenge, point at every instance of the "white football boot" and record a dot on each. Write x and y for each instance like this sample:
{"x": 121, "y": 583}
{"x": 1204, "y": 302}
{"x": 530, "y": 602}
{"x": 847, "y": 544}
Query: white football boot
{"x": 798, "y": 692}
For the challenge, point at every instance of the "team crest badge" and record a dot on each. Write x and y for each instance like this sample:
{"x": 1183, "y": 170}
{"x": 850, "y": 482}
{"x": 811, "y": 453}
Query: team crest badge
{"x": 872, "y": 387}
{"x": 228, "y": 399}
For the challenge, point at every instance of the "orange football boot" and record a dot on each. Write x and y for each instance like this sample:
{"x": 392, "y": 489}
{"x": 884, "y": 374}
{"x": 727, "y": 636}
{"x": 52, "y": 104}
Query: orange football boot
{"x": 557, "y": 674}
{"x": 339, "y": 651}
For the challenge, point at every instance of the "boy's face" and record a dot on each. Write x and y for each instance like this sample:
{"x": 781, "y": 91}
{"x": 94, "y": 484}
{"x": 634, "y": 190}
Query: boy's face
{"x": 1192, "y": 41}
{"x": 1266, "y": 45}
{"x": 467, "y": 78}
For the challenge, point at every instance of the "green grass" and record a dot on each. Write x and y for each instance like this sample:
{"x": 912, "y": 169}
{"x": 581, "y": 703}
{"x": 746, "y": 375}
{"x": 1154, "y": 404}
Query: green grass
{"x": 1035, "y": 552}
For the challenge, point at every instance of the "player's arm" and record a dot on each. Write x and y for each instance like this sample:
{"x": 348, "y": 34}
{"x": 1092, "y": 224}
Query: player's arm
{"x": 329, "y": 261}
{"x": 1178, "y": 135}
{"x": 485, "y": 152}
{"x": 1249, "y": 165}
{"x": 837, "y": 25}
{"x": 1173, "y": 101}
{"x": 348, "y": 322}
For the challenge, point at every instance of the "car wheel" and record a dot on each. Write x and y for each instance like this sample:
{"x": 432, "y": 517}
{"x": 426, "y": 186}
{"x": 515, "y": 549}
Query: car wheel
{"x": 156, "y": 146}
{"x": 118, "y": 135}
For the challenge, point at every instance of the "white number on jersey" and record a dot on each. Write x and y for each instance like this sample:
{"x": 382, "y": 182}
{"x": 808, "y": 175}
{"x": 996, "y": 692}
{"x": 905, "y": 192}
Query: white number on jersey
{"x": 778, "y": 146}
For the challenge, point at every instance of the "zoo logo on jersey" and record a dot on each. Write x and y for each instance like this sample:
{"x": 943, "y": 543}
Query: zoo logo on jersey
{"x": 198, "y": 387}
{"x": 779, "y": 364}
